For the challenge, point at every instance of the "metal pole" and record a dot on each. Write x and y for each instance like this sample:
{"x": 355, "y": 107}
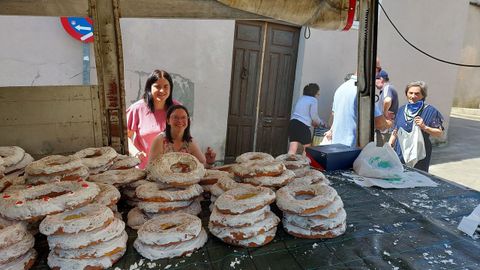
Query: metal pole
{"x": 367, "y": 55}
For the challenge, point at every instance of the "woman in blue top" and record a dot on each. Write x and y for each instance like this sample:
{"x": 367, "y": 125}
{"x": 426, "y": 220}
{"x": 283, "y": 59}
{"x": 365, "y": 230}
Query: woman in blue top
{"x": 304, "y": 116}
{"x": 425, "y": 116}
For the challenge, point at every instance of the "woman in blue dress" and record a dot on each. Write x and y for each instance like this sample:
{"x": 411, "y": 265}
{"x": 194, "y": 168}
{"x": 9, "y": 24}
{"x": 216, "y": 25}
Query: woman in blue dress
{"x": 425, "y": 116}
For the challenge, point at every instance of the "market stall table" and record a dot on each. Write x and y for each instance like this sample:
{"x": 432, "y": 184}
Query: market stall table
{"x": 386, "y": 229}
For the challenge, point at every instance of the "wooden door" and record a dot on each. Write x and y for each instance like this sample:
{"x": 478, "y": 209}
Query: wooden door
{"x": 263, "y": 74}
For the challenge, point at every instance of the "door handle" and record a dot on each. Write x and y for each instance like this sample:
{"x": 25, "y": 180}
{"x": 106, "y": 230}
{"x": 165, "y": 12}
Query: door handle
{"x": 267, "y": 120}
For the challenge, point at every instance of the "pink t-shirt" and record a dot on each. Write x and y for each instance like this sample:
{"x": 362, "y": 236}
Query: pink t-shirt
{"x": 146, "y": 125}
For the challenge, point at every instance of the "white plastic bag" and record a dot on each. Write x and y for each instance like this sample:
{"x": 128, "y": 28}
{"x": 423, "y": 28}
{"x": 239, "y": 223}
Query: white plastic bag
{"x": 412, "y": 145}
{"x": 378, "y": 162}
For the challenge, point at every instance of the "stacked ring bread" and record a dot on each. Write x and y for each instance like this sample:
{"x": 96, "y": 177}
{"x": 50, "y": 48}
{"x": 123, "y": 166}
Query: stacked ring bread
{"x": 35, "y": 202}
{"x": 16, "y": 246}
{"x": 267, "y": 173}
{"x": 157, "y": 199}
{"x": 309, "y": 177}
{"x": 175, "y": 188}
{"x": 170, "y": 236}
{"x": 297, "y": 163}
{"x": 118, "y": 178}
{"x": 223, "y": 184}
{"x": 122, "y": 162}
{"x": 242, "y": 217}
{"x": 15, "y": 159}
{"x": 97, "y": 159}
{"x": 128, "y": 192}
{"x": 211, "y": 178}
{"x": 312, "y": 211}
{"x": 54, "y": 169}
{"x": 89, "y": 237}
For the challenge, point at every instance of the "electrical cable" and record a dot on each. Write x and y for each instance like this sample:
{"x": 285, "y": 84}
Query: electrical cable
{"x": 420, "y": 50}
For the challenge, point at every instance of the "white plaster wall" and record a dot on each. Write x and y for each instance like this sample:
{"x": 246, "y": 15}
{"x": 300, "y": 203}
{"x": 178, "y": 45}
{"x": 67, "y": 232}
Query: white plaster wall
{"x": 38, "y": 51}
{"x": 200, "y": 50}
{"x": 325, "y": 58}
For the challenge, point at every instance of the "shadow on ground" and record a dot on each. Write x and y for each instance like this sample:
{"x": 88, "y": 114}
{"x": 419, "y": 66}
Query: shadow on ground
{"x": 463, "y": 142}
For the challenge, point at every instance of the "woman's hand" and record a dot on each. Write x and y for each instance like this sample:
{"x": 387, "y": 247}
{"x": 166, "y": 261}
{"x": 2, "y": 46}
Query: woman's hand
{"x": 210, "y": 156}
{"x": 419, "y": 122}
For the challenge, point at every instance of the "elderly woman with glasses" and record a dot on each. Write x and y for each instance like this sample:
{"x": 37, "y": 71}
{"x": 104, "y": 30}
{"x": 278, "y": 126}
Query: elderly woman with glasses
{"x": 417, "y": 112}
{"x": 177, "y": 138}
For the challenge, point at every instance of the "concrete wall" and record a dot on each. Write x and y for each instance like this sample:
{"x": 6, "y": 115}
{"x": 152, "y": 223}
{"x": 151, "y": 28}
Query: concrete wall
{"x": 37, "y": 51}
{"x": 468, "y": 79}
{"x": 198, "y": 53}
{"x": 325, "y": 58}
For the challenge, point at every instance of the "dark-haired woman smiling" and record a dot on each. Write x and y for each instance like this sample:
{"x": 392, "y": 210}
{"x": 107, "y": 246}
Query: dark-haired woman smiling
{"x": 177, "y": 138}
{"x": 146, "y": 118}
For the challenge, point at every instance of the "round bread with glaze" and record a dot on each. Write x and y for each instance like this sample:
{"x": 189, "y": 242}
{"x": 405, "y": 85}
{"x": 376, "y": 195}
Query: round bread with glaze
{"x": 212, "y": 176}
{"x": 226, "y": 168}
{"x": 11, "y": 155}
{"x": 97, "y": 157}
{"x": 244, "y": 199}
{"x": 176, "y": 169}
{"x": 107, "y": 248}
{"x": 27, "y": 159}
{"x": 38, "y": 201}
{"x": 243, "y": 233}
{"x": 311, "y": 177}
{"x": 11, "y": 232}
{"x": 154, "y": 192}
{"x": 258, "y": 168}
{"x": 23, "y": 262}
{"x": 237, "y": 221}
{"x": 136, "y": 217}
{"x": 316, "y": 224}
{"x": 108, "y": 196}
{"x": 155, "y": 252}
{"x": 293, "y": 161}
{"x": 170, "y": 229}
{"x": 301, "y": 171}
{"x": 329, "y": 211}
{"x": 118, "y": 177}
{"x": 55, "y": 262}
{"x": 122, "y": 162}
{"x": 53, "y": 164}
{"x": 224, "y": 184}
{"x": 313, "y": 234}
{"x": 271, "y": 181}
{"x": 157, "y": 207}
{"x": 85, "y": 218}
{"x": 10, "y": 253}
{"x": 83, "y": 239}
{"x": 256, "y": 241}
{"x": 254, "y": 156}
{"x": 80, "y": 173}
{"x": 304, "y": 199}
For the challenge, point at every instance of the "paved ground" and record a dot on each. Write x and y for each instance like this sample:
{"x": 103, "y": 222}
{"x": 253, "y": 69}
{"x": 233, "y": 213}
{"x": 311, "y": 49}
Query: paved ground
{"x": 459, "y": 160}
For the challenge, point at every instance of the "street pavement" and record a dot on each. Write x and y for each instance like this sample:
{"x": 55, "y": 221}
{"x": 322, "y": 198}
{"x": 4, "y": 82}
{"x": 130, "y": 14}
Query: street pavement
{"x": 459, "y": 160}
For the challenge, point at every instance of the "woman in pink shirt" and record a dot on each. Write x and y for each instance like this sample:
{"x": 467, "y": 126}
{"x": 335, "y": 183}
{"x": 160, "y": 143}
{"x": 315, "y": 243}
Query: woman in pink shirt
{"x": 146, "y": 118}
{"x": 177, "y": 138}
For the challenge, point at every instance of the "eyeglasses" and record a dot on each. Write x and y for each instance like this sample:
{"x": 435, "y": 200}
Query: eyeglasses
{"x": 181, "y": 118}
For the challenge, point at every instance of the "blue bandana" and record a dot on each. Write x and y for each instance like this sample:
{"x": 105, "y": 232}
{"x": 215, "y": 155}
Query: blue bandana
{"x": 413, "y": 109}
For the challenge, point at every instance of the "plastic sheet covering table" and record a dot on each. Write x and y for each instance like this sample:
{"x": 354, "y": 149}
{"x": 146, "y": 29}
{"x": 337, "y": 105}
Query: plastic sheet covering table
{"x": 387, "y": 229}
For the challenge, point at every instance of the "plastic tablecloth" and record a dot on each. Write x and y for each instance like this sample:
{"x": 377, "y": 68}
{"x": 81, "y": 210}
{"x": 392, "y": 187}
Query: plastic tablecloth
{"x": 386, "y": 229}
